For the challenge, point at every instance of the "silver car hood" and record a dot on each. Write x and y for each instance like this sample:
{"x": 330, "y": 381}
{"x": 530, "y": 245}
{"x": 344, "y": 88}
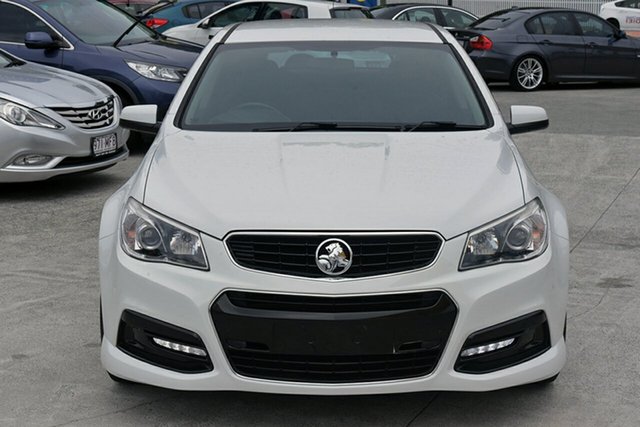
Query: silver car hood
{"x": 445, "y": 182}
{"x": 42, "y": 86}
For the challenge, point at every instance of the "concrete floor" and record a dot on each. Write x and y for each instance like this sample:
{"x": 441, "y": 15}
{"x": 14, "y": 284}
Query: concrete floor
{"x": 50, "y": 373}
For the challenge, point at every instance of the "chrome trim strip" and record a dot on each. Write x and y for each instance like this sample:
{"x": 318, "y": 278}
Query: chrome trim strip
{"x": 336, "y": 233}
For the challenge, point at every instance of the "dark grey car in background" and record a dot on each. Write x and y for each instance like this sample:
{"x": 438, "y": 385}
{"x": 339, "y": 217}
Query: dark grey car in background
{"x": 528, "y": 47}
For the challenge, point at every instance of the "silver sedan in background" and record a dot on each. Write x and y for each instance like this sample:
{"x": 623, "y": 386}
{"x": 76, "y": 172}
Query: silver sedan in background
{"x": 55, "y": 122}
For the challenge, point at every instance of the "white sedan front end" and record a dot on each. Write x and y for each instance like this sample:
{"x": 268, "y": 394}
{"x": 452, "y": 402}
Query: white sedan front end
{"x": 256, "y": 249}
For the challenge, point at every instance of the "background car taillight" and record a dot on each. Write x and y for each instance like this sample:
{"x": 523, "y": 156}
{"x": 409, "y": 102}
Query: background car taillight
{"x": 156, "y": 22}
{"x": 481, "y": 42}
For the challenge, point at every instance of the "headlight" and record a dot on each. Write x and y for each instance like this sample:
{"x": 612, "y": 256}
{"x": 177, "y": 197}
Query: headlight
{"x": 158, "y": 72}
{"x": 151, "y": 237}
{"x": 518, "y": 236}
{"x": 23, "y": 116}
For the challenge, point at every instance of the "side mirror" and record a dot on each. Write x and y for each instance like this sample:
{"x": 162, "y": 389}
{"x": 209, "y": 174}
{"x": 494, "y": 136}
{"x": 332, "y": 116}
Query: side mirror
{"x": 140, "y": 118}
{"x": 39, "y": 40}
{"x": 525, "y": 118}
{"x": 205, "y": 24}
{"x": 619, "y": 34}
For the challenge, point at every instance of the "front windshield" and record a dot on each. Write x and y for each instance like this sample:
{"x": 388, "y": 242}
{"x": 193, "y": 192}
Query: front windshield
{"x": 96, "y": 22}
{"x": 256, "y": 85}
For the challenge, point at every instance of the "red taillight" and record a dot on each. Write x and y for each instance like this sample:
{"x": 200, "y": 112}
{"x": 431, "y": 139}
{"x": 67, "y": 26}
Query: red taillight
{"x": 156, "y": 22}
{"x": 481, "y": 42}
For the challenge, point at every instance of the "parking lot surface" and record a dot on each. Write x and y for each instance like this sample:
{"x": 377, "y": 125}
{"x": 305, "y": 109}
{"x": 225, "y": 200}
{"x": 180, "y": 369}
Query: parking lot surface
{"x": 50, "y": 372}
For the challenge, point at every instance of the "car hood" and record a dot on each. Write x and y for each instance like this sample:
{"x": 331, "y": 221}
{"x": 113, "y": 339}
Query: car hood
{"x": 166, "y": 52}
{"x": 222, "y": 182}
{"x": 41, "y": 86}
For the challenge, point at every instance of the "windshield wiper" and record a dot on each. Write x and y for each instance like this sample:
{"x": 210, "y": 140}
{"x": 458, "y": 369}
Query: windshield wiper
{"x": 433, "y": 126}
{"x": 137, "y": 21}
{"x": 311, "y": 126}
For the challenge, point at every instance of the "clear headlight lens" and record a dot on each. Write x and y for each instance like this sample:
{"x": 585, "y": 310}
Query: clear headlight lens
{"x": 19, "y": 115}
{"x": 158, "y": 72}
{"x": 150, "y": 236}
{"x": 518, "y": 236}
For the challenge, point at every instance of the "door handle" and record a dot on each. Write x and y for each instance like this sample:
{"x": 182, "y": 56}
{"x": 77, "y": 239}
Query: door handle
{"x": 592, "y": 45}
{"x": 545, "y": 41}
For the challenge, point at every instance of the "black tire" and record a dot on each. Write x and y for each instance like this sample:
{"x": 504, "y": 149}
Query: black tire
{"x": 528, "y": 74}
{"x": 614, "y": 22}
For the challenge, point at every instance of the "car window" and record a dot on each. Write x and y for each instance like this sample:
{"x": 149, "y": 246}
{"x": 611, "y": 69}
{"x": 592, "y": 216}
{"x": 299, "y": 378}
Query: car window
{"x": 79, "y": 17}
{"x": 633, "y": 4}
{"x": 593, "y": 26}
{"x": 209, "y": 7}
{"x": 557, "y": 24}
{"x": 423, "y": 14}
{"x": 283, "y": 11}
{"x": 350, "y": 13}
{"x": 16, "y": 21}
{"x": 191, "y": 11}
{"x": 286, "y": 83}
{"x": 455, "y": 18}
{"x": 534, "y": 26}
{"x": 495, "y": 20}
{"x": 241, "y": 13}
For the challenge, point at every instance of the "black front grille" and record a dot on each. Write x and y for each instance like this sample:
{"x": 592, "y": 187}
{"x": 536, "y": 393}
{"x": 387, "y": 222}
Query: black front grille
{"x": 295, "y": 254}
{"x": 68, "y": 162}
{"x": 309, "y": 304}
{"x": 333, "y": 339}
{"x": 333, "y": 369}
{"x": 98, "y": 115}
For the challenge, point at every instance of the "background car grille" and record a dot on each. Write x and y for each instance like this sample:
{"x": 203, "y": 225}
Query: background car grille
{"x": 322, "y": 339}
{"x": 82, "y": 117}
{"x": 373, "y": 254}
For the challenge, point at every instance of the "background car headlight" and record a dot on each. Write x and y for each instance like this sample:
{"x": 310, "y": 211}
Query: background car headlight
{"x": 158, "y": 72}
{"x": 19, "y": 115}
{"x": 518, "y": 236}
{"x": 150, "y": 236}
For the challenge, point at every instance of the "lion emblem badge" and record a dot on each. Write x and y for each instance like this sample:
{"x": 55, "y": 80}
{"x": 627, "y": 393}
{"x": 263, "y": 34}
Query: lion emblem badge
{"x": 333, "y": 257}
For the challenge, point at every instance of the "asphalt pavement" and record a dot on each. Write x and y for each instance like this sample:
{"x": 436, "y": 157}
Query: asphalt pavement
{"x": 50, "y": 372}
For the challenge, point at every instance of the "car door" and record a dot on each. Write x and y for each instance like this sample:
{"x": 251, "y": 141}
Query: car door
{"x": 15, "y": 21}
{"x": 557, "y": 37}
{"x": 233, "y": 14}
{"x": 418, "y": 14}
{"x": 607, "y": 54}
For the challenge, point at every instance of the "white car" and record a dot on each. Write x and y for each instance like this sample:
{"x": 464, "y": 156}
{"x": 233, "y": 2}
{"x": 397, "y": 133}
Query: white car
{"x": 251, "y": 10}
{"x": 623, "y": 14}
{"x": 353, "y": 218}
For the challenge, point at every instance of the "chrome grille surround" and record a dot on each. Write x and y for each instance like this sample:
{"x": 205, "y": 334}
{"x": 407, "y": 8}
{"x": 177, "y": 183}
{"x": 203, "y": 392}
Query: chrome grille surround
{"x": 94, "y": 116}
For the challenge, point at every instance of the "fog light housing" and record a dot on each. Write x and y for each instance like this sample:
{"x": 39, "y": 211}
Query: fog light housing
{"x": 32, "y": 160}
{"x": 162, "y": 344}
{"x": 518, "y": 340}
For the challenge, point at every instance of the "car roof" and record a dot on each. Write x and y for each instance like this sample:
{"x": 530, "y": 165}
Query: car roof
{"x": 333, "y": 30}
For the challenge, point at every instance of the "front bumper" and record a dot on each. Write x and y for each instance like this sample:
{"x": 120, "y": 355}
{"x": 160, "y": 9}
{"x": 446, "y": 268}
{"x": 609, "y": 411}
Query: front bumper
{"x": 484, "y": 297}
{"x": 69, "y": 148}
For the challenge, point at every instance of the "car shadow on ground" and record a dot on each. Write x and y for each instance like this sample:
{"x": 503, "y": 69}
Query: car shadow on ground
{"x": 243, "y": 408}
